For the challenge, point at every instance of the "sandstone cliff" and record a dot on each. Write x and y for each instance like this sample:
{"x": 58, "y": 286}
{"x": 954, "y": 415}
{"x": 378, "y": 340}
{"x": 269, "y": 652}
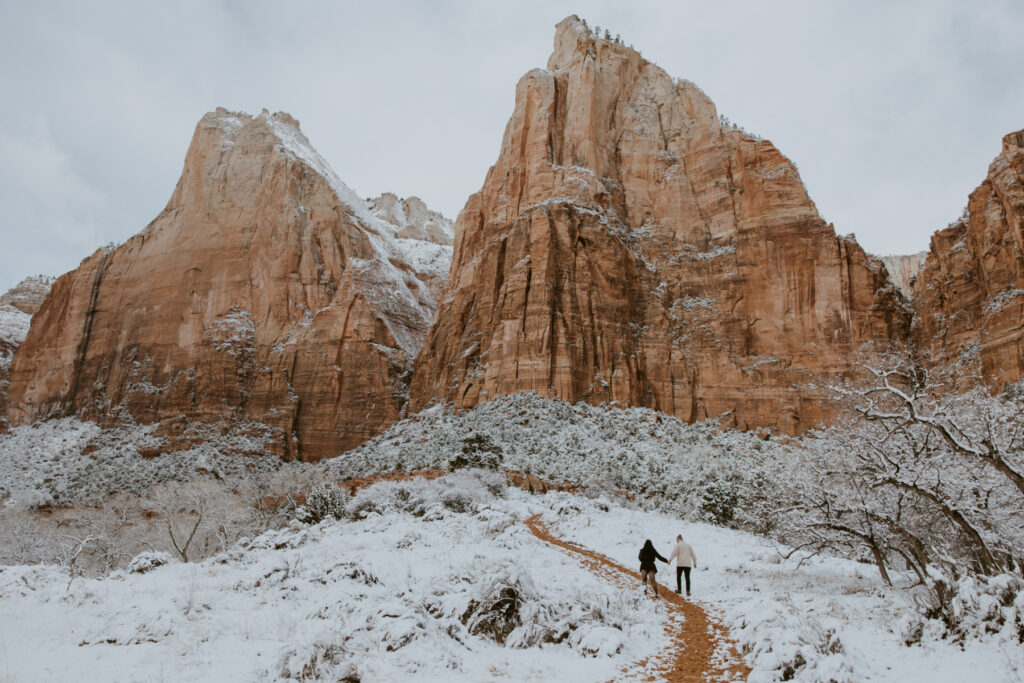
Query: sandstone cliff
{"x": 628, "y": 247}
{"x": 903, "y": 270}
{"x": 265, "y": 293}
{"x": 969, "y": 298}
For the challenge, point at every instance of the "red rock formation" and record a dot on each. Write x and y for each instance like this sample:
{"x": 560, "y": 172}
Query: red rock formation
{"x": 266, "y": 292}
{"x": 627, "y": 246}
{"x": 969, "y": 298}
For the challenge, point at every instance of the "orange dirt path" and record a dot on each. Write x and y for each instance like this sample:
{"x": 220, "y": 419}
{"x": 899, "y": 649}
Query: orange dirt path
{"x": 702, "y": 652}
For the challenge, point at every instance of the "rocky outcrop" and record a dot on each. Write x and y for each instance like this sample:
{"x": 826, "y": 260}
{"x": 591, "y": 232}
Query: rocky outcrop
{"x": 14, "y": 325}
{"x": 629, "y": 247}
{"x": 412, "y": 218}
{"x": 903, "y": 270}
{"x": 28, "y": 295}
{"x": 17, "y": 306}
{"x": 418, "y": 230}
{"x": 969, "y": 298}
{"x": 265, "y": 293}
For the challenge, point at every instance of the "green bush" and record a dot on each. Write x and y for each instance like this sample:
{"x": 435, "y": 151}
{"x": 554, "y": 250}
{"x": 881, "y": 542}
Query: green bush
{"x": 320, "y": 504}
{"x": 477, "y": 451}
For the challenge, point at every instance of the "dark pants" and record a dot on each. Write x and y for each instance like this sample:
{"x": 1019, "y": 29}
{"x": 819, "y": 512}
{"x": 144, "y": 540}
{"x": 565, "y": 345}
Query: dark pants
{"x": 679, "y": 579}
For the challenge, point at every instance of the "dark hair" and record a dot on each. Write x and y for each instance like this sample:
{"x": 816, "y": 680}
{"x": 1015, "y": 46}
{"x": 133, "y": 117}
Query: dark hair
{"x": 648, "y": 545}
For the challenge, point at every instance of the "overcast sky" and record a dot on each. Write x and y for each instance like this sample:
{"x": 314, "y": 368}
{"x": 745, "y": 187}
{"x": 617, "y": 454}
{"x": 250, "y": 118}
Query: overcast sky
{"x": 892, "y": 110}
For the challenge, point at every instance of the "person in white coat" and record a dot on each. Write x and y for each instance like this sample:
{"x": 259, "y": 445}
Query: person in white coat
{"x": 685, "y": 560}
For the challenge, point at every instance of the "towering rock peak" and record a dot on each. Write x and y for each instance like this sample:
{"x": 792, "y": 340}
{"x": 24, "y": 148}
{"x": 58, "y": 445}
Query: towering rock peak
{"x": 969, "y": 297}
{"x": 224, "y": 139}
{"x": 412, "y": 218}
{"x": 627, "y": 246}
{"x": 28, "y": 295}
{"x": 265, "y": 293}
{"x": 903, "y": 269}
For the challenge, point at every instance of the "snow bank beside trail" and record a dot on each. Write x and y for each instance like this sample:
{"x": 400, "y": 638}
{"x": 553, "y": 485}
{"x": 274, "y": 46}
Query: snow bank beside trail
{"x": 821, "y": 620}
{"x": 432, "y": 581}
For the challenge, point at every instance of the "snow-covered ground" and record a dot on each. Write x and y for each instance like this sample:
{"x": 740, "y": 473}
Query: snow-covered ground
{"x": 833, "y": 614}
{"x": 395, "y": 590}
{"x": 441, "y": 581}
{"x": 428, "y": 581}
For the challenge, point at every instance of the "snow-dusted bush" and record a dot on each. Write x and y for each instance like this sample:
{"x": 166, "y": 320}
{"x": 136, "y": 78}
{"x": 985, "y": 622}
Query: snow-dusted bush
{"x": 320, "y": 504}
{"x": 781, "y": 643}
{"x": 695, "y": 471}
{"x": 151, "y": 559}
{"x": 969, "y": 607}
{"x": 465, "y": 491}
{"x": 478, "y": 451}
{"x": 69, "y": 462}
{"x": 198, "y": 517}
{"x": 507, "y": 606}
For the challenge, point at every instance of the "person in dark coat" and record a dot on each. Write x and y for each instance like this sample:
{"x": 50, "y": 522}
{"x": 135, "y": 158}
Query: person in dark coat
{"x": 647, "y": 569}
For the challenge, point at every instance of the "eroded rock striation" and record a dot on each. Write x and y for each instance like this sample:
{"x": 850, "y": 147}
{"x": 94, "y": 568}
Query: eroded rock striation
{"x": 628, "y": 246}
{"x": 969, "y": 297}
{"x": 265, "y": 293}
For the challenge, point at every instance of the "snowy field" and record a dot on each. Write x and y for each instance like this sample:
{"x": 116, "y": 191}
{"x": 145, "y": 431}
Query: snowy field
{"x": 834, "y": 615}
{"x": 446, "y": 584}
{"x": 441, "y": 580}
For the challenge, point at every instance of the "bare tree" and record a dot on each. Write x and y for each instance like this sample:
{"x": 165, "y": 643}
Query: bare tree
{"x": 917, "y": 473}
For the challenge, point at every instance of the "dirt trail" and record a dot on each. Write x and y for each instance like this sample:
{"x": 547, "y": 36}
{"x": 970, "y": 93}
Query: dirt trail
{"x": 702, "y": 652}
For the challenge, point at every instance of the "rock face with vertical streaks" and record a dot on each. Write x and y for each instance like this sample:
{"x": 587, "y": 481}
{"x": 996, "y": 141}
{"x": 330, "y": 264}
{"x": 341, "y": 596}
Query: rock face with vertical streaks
{"x": 265, "y": 293}
{"x": 969, "y": 298}
{"x": 629, "y": 247}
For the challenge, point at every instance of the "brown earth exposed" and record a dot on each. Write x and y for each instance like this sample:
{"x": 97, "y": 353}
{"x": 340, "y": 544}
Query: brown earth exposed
{"x": 265, "y": 292}
{"x": 969, "y": 298}
{"x": 629, "y": 246}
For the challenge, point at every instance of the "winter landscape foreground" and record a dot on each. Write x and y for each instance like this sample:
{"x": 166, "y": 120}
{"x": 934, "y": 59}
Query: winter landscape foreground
{"x": 442, "y": 579}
